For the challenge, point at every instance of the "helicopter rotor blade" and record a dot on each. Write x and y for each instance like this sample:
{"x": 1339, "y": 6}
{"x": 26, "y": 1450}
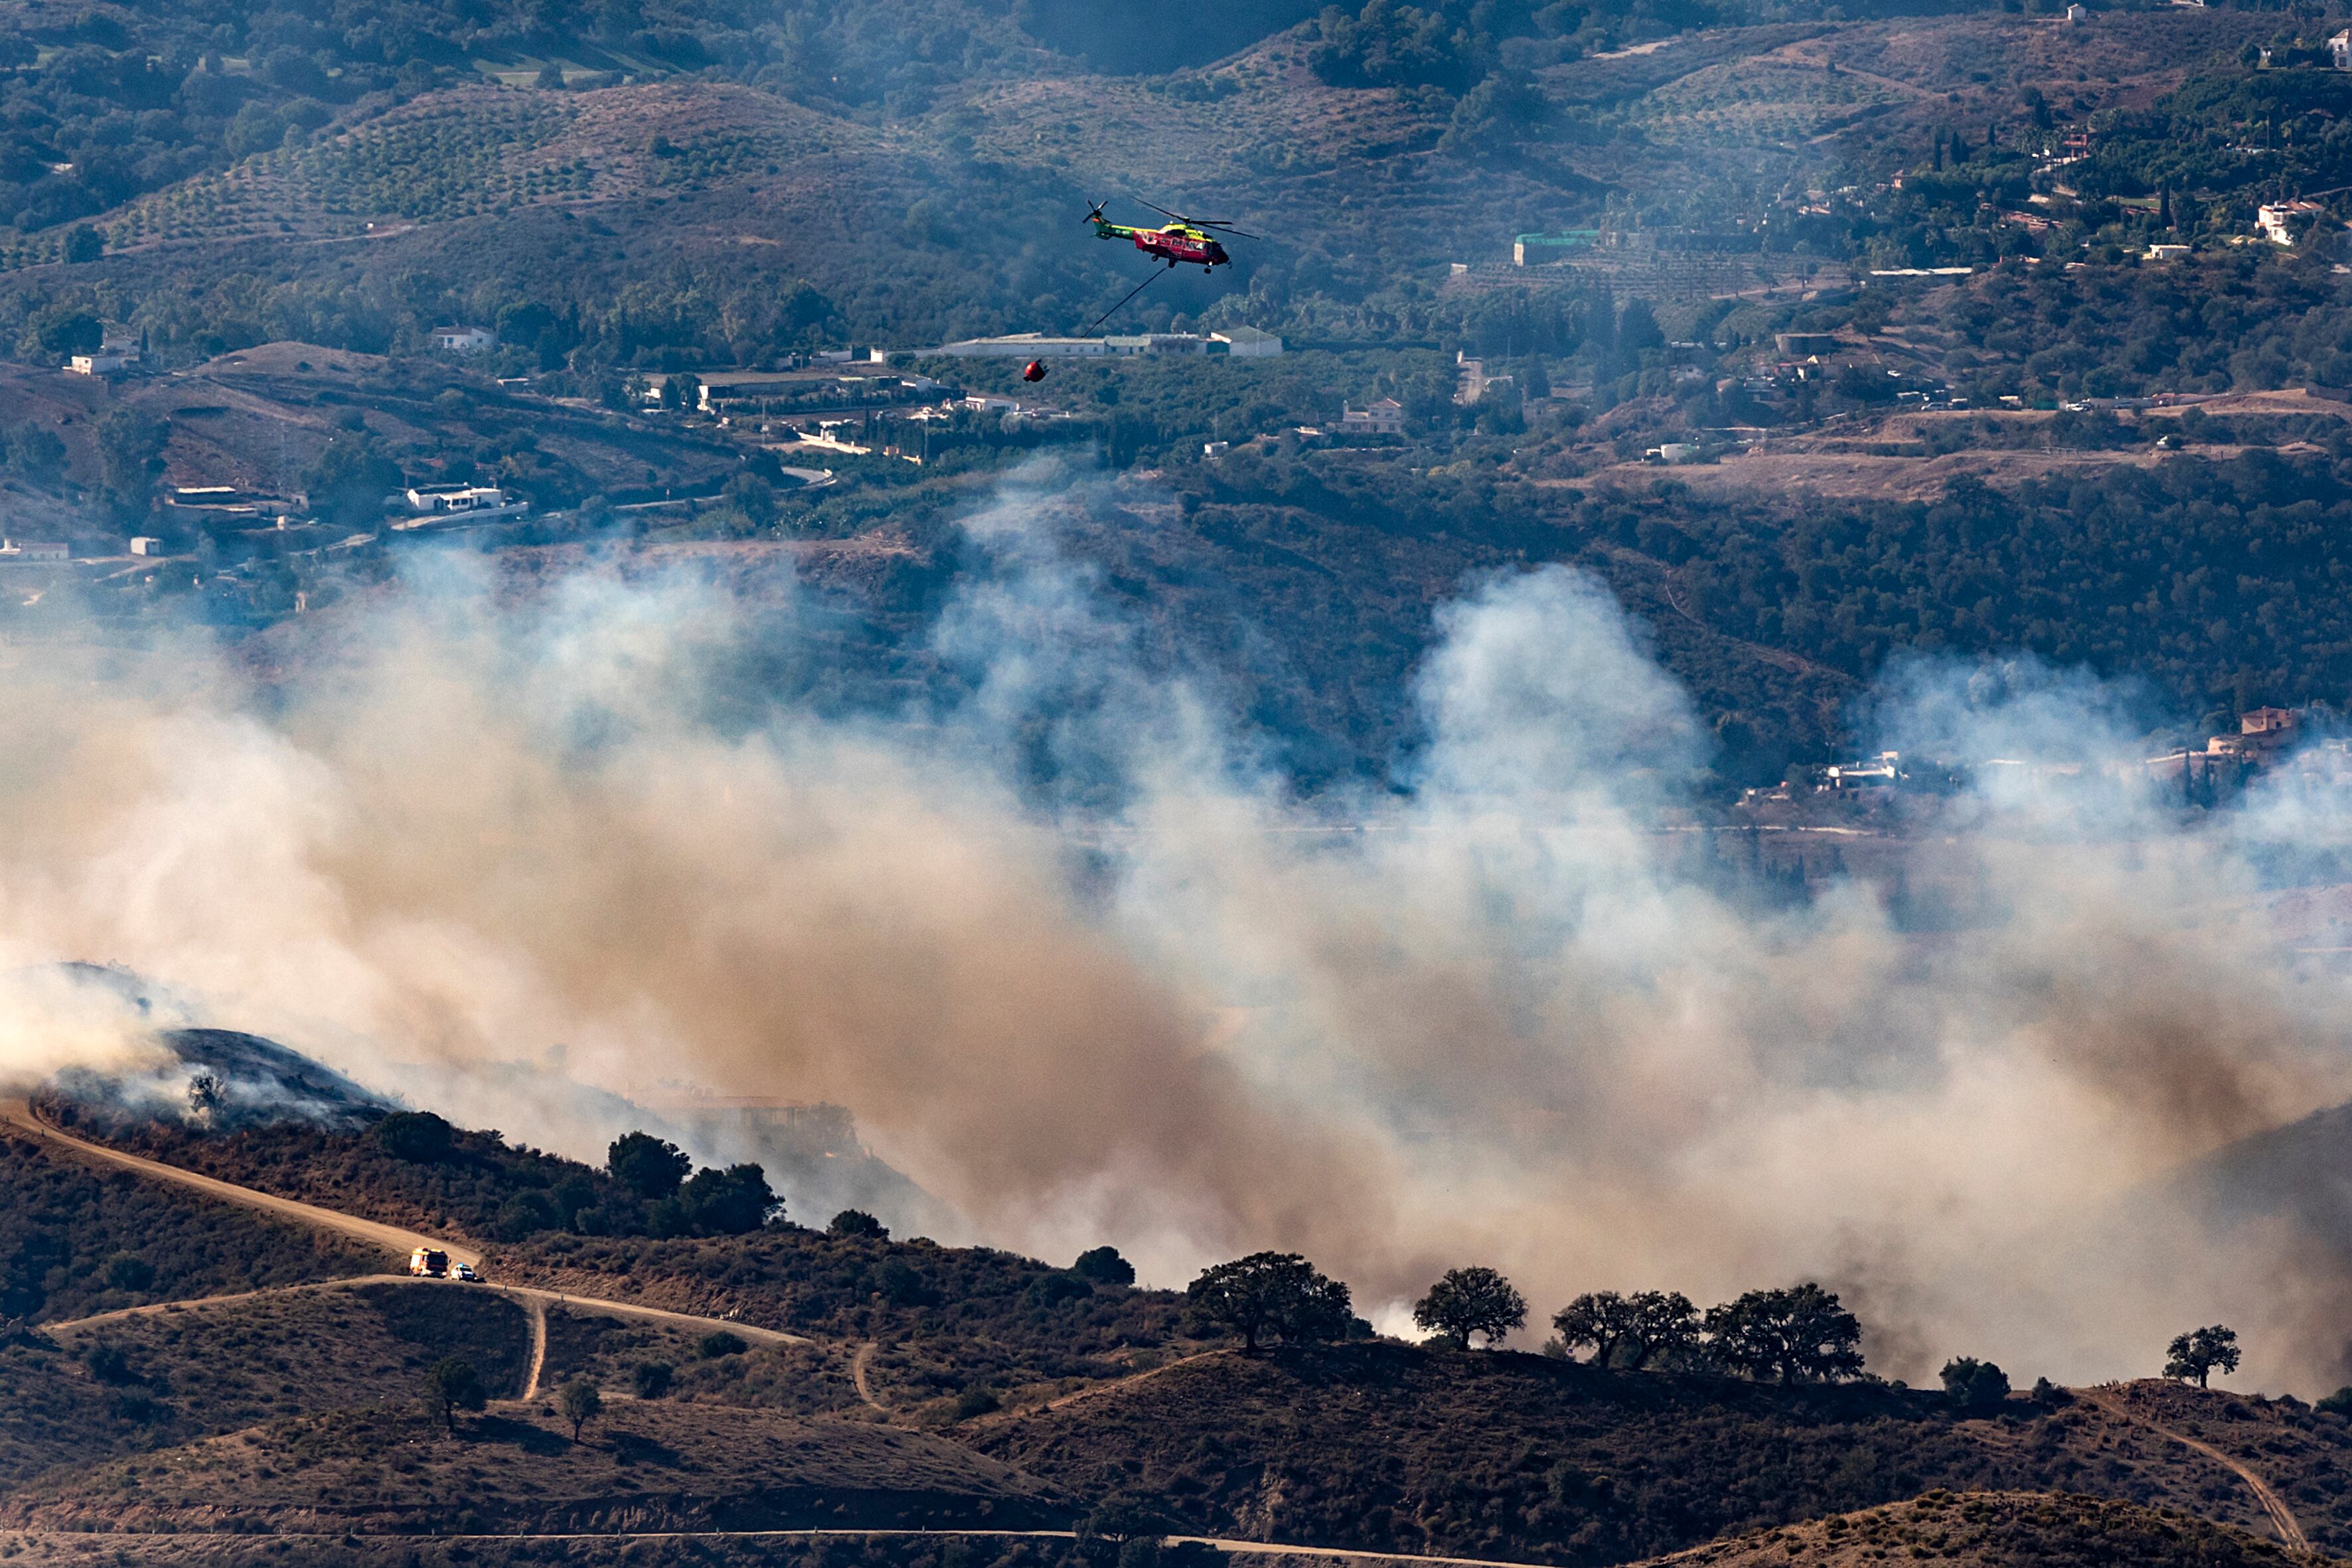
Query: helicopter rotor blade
{"x": 1163, "y": 211}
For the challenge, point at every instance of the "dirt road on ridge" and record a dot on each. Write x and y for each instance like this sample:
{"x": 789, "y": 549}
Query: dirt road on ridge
{"x": 392, "y": 1238}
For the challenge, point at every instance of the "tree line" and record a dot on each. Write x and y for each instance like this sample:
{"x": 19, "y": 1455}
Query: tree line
{"x": 1796, "y": 1334}
{"x": 1800, "y": 1334}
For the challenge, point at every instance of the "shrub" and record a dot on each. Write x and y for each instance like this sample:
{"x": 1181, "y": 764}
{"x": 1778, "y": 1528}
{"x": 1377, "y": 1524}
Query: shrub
{"x": 524, "y": 1215}
{"x": 1977, "y": 1386}
{"x": 1061, "y": 1285}
{"x": 128, "y": 1271}
{"x": 719, "y": 1342}
{"x": 651, "y": 1379}
{"x": 413, "y": 1135}
{"x": 858, "y": 1222}
{"x": 1103, "y": 1266}
{"x": 108, "y": 1365}
{"x": 977, "y": 1401}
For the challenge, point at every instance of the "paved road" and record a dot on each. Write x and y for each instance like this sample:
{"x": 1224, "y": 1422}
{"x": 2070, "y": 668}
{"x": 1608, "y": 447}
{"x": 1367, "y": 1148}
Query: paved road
{"x": 1240, "y": 1548}
{"x": 2283, "y": 1518}
{"x": 392, "y": 1238}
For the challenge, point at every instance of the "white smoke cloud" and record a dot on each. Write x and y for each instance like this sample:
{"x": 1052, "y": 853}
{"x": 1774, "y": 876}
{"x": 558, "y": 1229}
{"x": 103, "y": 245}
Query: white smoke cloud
{"x": 1162, "y": 1002}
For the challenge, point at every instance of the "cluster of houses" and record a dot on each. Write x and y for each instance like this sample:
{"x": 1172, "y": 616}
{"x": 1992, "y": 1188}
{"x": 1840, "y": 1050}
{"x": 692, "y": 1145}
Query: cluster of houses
{"x": 2266, "y": 739}
{"x": 1380, "y": 421}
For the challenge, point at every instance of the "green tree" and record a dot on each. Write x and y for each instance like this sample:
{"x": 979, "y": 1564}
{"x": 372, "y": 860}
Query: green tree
{"x": 1277, "y": 1293}
{"x": 858, "y": 1223}
{"x": 1492, "y": 117}
{"x": 2201, "y": 1352}
{"x": 348, "y": 482}
{"x": 1466, "y": 1301}
{"x": 752, "y": 496}
{"x": 451, "y": 1384}
{"x": 1630, "y": 1331}
{"x": 1798, "y": 1335}
{"x": 84, "y": 243}
{"x": 1114, "y": 1521}
{"x": 651, "y": 1379}
{"x": 646, "y": 1165}
{"x": 61, "y": 332}
{"x": 129, "y": 461}
{"x": 524, "y": 1215}
{"x": 736, "y": 1201}
{"x": 36, "y": 453}
{"x": 580, "y": 1403}
{"x": 1974, "y": 1385}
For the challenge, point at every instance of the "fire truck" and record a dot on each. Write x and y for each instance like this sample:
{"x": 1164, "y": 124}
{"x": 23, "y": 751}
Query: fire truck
{"x": 429, "y": 1262}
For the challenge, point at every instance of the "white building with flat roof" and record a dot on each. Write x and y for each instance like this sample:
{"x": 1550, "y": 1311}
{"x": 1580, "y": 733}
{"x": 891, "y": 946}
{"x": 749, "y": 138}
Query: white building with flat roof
{"x": 464, "y": 340}
{"x": 1247, "y": 342}
{"x": 430, "y": 504}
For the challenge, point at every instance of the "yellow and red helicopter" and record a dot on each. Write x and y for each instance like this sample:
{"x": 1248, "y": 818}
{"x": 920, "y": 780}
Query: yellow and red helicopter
{"x": 1189, "y": 240}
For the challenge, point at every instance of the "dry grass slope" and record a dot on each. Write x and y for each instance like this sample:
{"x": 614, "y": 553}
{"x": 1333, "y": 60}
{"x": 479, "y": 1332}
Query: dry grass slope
{"x": 1998, "y": 1530}
{"x": 643, "y": 1466}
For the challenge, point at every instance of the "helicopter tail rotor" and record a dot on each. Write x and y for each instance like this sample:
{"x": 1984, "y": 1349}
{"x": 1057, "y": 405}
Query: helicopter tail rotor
{"x": 1094, "y": 211}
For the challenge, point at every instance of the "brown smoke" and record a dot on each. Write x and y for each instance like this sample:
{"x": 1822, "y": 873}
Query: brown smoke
{"x": 1493, "y": 1028}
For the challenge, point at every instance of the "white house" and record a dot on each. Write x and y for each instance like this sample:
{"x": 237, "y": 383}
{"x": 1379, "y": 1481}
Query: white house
{"x": 434, "y": 498}
{"x": 1385, "y": 417}
{"x": 18, "y": 552}
{"x": 96, "y": 364}
{"x": 464, "y": 340}
{"x": 2167, "y": 252}
{"x": 2279, "y": 220}
{"x": 146, "y": 545}
{"x": 1247, "y": 342}
{"x": 2340, "y": 49}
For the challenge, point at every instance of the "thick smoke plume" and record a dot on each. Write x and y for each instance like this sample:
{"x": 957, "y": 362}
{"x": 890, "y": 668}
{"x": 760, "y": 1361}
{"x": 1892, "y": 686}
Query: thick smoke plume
{"x": 1503, "y": 1015}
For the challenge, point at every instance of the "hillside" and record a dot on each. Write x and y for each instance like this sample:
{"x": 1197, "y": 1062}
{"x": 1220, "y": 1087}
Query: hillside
{"x": 1384, "y": 1448}
{"x": 90, "y": 1390}
{"x": 75, "y": 1240}
{"x": 612, "y": 1353}
{"x": 949, "y": 1319}
{"x": 652, "y": 1465}
{"x": 63, "y": 1550}
{"x": 1997, "y": 1530}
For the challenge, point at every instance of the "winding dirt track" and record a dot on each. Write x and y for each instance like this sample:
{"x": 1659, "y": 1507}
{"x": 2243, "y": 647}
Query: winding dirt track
{"x": 2282, "y": 1518}
{"x": 859, "y": 1370}
{"x": 395, "y": 1239}
{"x": 391, "y": 1238}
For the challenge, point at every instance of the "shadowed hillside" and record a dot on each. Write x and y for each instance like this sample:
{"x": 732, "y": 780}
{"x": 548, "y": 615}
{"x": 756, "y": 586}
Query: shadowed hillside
{"x": 1384, "y": 1447}
{"x": 650, "y": 1465}
{"x": 1998, "y": 1530}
